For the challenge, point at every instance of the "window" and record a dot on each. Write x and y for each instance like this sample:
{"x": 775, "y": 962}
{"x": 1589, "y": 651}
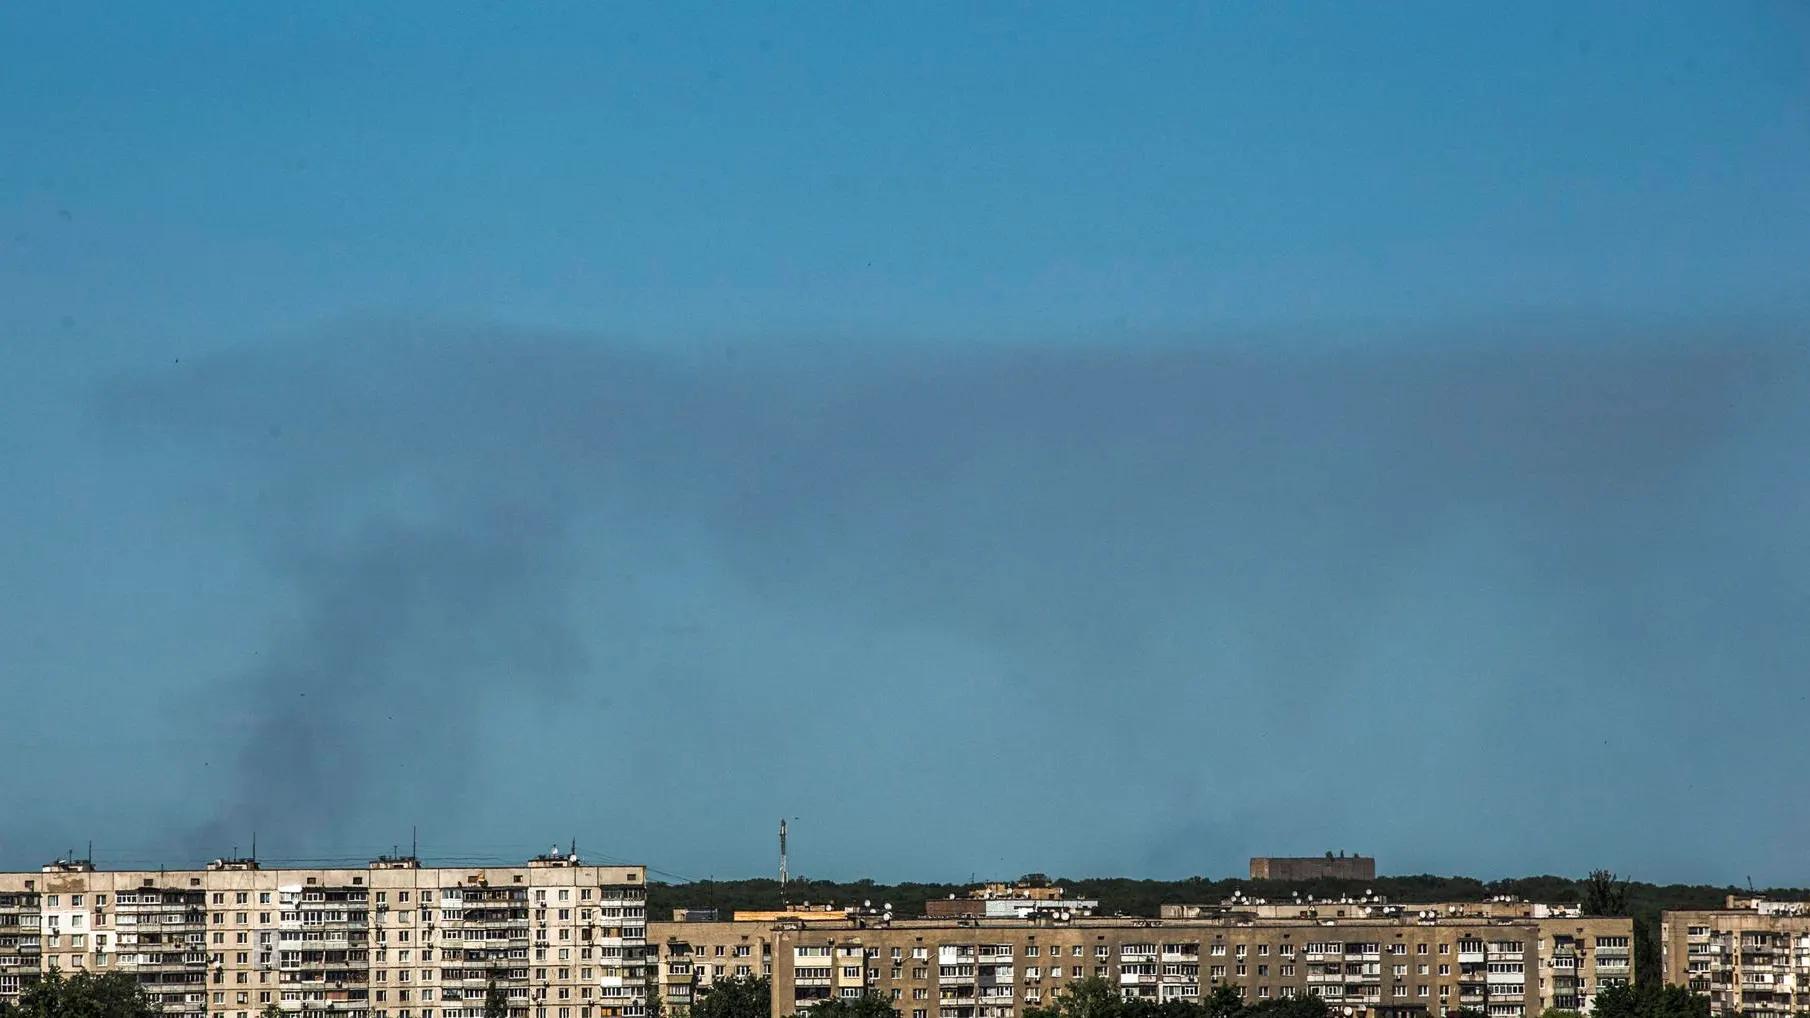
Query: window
{"x": 1420, "y": 949}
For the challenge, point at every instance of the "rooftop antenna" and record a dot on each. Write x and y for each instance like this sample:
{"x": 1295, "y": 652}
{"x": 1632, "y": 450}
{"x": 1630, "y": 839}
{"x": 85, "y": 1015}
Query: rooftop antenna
{"x": 414, "y": 841}
{"x": 782, "y": 862}
{"x": 254, "y": 846}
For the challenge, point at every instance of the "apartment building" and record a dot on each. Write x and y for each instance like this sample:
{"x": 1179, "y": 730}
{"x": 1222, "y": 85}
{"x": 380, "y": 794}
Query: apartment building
{"x": 1411, "y": 963}
{"x": 391, "y": 940}
{"x": 1750, "y": 957}
{"x": 689, "y": 956}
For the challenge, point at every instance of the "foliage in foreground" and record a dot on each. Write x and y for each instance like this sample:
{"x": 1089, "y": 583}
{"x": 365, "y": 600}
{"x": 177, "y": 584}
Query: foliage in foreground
{"x": 83, "y": 995}
{"x": 739, "y": 997}
{"x": 1097, "y": 998}
{"x": 1650, "y": 1000}
{"x": 868, "y": 1005}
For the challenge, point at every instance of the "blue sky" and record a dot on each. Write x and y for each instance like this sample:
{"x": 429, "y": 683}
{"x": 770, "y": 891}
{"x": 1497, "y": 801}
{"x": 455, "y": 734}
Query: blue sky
{"x": 1138, "y": 436}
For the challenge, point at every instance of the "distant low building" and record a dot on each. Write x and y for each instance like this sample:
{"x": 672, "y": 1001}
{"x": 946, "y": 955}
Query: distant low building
{"x": 1010, "y": 901}
{"x": 1327, "y": 867}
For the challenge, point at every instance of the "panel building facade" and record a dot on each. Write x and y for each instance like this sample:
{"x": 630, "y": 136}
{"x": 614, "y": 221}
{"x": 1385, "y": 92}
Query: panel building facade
{"x": 1750, "y": 957}
{"x": 392, "y": 940}
{"x": 1394, "y": 965}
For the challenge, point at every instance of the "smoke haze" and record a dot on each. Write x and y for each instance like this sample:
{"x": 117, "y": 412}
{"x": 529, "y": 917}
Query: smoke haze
{"x": 1006, "y": 588}
{"x": 940, "y": 426}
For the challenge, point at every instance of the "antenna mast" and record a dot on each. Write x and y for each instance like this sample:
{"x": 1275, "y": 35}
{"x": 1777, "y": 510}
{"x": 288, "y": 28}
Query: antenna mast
{"x": 782, "y": 861}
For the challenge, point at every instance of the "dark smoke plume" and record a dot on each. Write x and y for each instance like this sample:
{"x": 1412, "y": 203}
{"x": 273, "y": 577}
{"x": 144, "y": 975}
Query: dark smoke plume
{"x": 1152, "y": 542}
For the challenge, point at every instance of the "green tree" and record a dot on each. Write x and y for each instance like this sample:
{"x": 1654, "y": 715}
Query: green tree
{"x": 1144, "y": 1007}
{"x": 1084, "y": 998}
{"x": 496, "y": 1001}
{"x": 83, "y": 995}
{"x": 868, "y": 1005}
{"x": 1604, "y": 895}
{"x": 1468, "y": 1012}
{"x": 739, "y": 997}
{"x": 1223, "y": 1002}
{"x": 1650, "y": 1000}
{"x": 1308, "y": 1006}
{"x": 1560, "y": 1012}
{"x": 1647, "y": 962}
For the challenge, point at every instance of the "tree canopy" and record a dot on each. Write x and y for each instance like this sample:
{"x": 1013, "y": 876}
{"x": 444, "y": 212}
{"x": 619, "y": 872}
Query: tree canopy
{"x": 496, "y": 1001}
{"x": 1097, "y": 998}
{"x": 1650, "y": 1000}
{"x": 83, "y": 995}
{"x": 739, "y": 997}
{"x": 868, "y": 1005}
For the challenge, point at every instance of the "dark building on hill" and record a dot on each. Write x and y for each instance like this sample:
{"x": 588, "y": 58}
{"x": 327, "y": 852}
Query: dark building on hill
{"x": 1329, "y": 866}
